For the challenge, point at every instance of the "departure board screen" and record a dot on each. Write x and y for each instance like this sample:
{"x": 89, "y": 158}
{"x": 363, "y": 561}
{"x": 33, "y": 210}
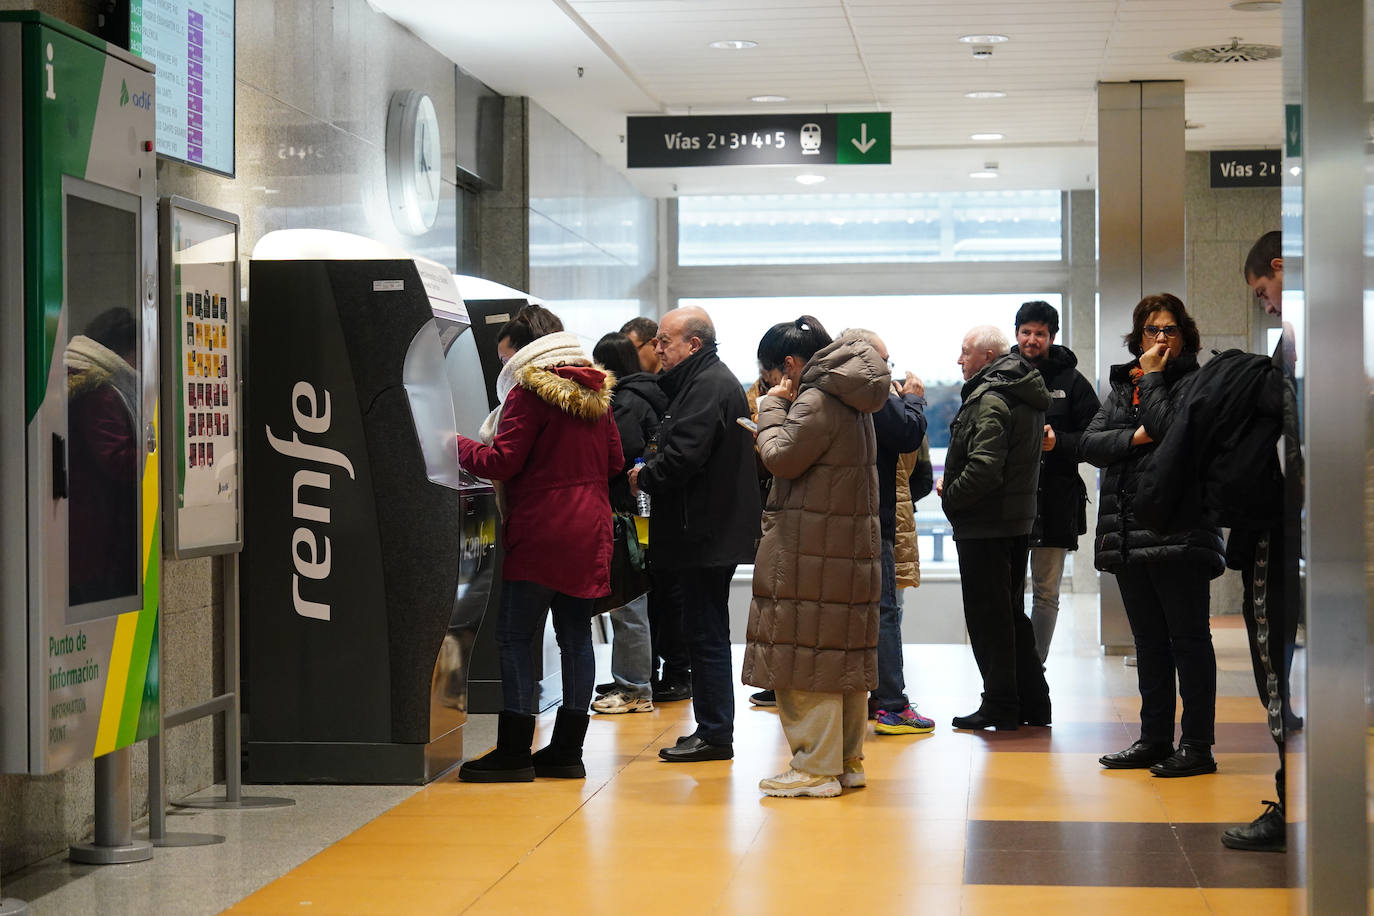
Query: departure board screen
{"x": 192, "y": 44}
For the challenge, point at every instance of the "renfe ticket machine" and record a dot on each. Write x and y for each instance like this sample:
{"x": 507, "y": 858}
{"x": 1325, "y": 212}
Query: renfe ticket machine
{"x": 368, "y": 551}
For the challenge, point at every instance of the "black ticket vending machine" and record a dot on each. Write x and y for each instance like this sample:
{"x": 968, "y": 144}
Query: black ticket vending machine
{"x": 368, "y": 552}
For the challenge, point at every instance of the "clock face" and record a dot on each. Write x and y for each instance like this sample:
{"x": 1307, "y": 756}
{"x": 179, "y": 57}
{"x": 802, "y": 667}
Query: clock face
{"x": 413, "y": 155}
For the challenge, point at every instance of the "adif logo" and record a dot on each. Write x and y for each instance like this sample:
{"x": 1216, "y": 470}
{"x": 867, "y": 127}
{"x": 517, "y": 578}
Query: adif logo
{"x": 310, "y": 550}
{"x": 142, "y": 100}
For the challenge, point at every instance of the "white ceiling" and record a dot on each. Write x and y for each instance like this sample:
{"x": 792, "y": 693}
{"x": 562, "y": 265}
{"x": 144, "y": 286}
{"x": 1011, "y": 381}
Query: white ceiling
{"x": 902, "y": 56}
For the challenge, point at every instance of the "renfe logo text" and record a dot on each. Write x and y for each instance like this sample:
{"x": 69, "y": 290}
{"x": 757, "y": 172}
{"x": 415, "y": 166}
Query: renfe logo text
{"x": 310, "y": 548}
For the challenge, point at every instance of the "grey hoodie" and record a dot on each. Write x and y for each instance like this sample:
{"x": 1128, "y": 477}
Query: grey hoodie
{"x": 993, "y": 464}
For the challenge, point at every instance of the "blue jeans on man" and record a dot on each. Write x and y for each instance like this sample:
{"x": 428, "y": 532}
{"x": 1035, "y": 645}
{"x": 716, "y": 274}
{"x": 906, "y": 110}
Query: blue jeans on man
{"x": 891, "y": 692}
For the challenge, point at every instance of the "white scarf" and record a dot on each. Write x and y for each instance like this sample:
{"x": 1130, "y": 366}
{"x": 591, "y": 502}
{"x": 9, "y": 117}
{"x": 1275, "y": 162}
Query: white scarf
{"x": 560, "y": 349}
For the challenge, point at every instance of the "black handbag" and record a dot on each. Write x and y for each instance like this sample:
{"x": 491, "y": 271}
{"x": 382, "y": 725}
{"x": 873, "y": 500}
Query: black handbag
{"x": 629, "y": 566}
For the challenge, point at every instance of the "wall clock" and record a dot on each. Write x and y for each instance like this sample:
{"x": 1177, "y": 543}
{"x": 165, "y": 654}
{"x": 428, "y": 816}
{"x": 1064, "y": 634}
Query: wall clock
{"x": 412, "y": 161}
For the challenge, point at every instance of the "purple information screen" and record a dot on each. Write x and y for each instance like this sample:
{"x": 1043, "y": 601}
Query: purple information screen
{"x": 192, "y": 44}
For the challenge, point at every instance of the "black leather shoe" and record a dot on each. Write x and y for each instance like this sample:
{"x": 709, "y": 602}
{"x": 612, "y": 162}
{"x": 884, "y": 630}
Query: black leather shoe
{"x": 1266, "y": 833}
{"x": 764, "y": 698}
{"x": 1038, "y": 717}
{"x": 1188, "y": 760}
{"x": 977, "y": 720}
{"x": 1138, "y": 756}
{"x": 696, "y": 749}
{"x": 672, "y": 691}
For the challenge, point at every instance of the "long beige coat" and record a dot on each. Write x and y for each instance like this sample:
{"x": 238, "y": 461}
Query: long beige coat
{"x": 813, "y": 622}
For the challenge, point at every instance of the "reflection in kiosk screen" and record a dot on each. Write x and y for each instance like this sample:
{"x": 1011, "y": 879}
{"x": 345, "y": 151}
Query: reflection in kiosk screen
{"x": 104, "y": 392}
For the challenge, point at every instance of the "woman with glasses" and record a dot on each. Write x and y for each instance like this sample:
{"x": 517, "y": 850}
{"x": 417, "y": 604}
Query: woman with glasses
{"x": 1163, "y": 578}
{"x": 813, "y": 622}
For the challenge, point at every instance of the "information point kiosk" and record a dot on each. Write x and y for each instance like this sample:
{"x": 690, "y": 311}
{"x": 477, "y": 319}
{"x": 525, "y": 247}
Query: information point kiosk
{"x": 369, "y": 553}
{"x": 80, "y": 544}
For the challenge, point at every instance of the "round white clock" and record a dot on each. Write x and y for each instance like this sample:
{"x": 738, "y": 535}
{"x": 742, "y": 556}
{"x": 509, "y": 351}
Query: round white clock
{"x": 412, "y": 161}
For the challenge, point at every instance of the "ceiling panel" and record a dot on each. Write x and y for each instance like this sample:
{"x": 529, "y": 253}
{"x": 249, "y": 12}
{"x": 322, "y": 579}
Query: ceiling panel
{"x": 651, "y": 56}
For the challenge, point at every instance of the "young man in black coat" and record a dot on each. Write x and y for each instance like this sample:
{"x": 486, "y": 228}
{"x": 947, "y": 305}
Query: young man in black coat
{"x": 1062, "y": 499}
{"x": 705, "y": 518}
{"x": 1271, "y": 603}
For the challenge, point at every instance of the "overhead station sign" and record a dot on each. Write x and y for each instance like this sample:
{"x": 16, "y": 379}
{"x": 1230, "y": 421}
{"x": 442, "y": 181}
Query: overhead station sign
{"x": 765, "y": 139}
{"x": 1246, "y": 168}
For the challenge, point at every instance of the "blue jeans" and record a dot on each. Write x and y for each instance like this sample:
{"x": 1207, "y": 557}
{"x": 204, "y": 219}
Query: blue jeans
{"x": 519, "y": 633}
{"x": 706, "y": 628}
{"x": 631, "y": 654}
{"x": 891, "y": 692}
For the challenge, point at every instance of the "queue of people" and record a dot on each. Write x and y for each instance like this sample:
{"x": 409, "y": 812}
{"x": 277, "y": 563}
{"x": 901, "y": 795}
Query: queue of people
{"x": 812, "y": 479}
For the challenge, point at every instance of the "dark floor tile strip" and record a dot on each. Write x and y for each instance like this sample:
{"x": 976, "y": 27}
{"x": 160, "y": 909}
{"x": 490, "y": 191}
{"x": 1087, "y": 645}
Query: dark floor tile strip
{"x": 1114, "y": 854}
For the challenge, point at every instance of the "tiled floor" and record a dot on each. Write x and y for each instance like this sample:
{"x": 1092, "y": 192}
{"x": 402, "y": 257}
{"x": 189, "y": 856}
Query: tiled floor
{"x": 1018, "y": 822}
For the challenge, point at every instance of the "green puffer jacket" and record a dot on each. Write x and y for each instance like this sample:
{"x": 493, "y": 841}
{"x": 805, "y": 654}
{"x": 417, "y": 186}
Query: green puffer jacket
{"x": 993, "y": 464}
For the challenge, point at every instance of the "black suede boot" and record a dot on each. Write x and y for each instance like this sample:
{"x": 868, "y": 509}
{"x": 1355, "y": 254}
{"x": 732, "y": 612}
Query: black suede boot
{"x": 511, "y": 761}
{"x": 562, "y": 759}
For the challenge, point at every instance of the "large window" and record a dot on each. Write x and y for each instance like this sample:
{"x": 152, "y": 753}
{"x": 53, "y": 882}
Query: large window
{"x": 949, "y": 226}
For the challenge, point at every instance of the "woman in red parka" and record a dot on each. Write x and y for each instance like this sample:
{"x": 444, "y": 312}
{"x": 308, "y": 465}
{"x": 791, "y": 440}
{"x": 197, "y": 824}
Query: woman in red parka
{"x": 552, "y": 444}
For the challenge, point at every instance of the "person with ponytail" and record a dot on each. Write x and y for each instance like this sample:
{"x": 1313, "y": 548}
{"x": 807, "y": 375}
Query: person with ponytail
{"x": 813, "y": 621}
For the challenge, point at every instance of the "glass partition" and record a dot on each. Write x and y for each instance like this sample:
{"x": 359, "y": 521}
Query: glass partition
{"x": 104, "y": 407}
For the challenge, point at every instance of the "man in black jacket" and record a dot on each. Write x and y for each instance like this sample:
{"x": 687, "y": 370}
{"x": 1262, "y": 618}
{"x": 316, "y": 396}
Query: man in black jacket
{"x": 1060, "y": 515}
{"x": 988, "y": 492}
{"x": 705, "y": 517}
{"x": 1271, "y": 603}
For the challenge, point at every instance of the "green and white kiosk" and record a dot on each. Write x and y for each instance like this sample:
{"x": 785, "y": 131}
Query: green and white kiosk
{"x": 79, "y": 495}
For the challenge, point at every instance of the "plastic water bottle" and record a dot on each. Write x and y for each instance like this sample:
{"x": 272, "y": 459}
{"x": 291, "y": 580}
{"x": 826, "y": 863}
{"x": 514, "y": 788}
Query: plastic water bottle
{"x": 641, "y": 498}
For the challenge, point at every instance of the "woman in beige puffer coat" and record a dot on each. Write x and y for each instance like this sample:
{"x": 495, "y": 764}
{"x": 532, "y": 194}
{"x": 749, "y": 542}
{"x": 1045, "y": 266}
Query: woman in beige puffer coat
{"x": 813, "y": 622}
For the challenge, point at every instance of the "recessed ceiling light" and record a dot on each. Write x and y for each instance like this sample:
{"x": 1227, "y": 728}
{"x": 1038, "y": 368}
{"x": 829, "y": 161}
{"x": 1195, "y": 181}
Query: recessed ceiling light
{"x": 734, "y": 44}
{"x": 983, "y": 39}
{"x": 987, "y": 136}
{"x": 810, "y": 179}
{"x": 1255, "y": 6}
{"x": 985, "y": 94}
{"x": 768, "y": 98}
{"x": 989, "y": 170}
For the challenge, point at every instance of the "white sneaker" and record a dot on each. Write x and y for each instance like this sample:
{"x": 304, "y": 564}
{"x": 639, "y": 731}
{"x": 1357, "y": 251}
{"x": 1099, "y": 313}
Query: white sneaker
{"x": 796, "y": 784}
{"x": 853, "y": 776}
{"x": 617, "y": 702}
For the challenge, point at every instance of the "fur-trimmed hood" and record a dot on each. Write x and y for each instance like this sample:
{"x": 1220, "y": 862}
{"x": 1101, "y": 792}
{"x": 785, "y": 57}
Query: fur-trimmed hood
{"x": 579, "y": 391}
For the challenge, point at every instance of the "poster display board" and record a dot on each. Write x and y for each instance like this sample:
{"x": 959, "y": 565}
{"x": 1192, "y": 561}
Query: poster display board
{"x": 201, "y": 397}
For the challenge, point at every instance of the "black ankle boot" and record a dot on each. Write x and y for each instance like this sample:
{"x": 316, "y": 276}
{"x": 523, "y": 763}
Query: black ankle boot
{"x": 511, "y": 761}
{"x": 562, "y": 759}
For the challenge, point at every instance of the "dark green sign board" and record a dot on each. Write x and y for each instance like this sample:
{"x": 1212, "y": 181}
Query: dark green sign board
{"x": 766, "y": 139}
{"x": 1292, "y": 130}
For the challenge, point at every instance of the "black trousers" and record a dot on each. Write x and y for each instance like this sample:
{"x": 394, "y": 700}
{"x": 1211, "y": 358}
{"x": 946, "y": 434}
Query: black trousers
{"x": 1270, "y": 568}
{"x": 706, "y": 625}
{"x": 992, "y": 573}
{"x": 1167, "y": 604}
{"x": 665, "y": 629}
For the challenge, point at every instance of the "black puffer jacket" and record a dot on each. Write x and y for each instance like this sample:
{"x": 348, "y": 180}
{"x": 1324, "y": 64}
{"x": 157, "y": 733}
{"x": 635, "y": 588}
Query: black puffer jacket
{"x": 1121, "y": 539}
{"x": 993, "y": 462}
{"x": 637, "y": 403}
{"x": 1060, "y": 504}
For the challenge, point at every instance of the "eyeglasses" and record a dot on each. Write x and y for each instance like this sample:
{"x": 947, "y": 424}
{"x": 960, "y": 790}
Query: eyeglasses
{"x": 1169, "y": 331}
